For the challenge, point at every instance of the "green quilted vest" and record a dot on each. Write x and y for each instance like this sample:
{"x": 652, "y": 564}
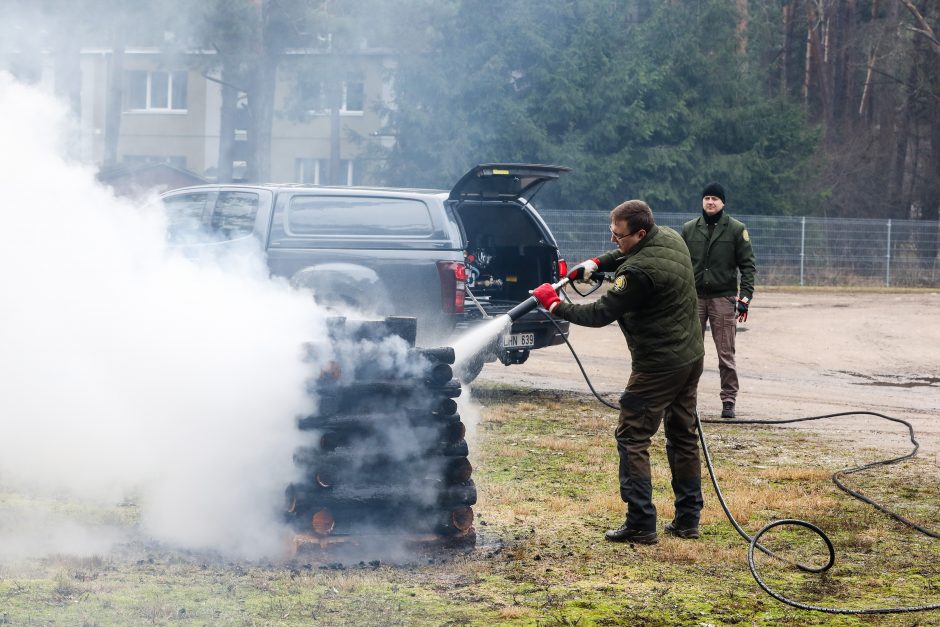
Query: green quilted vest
{"x": 666, "y": 333}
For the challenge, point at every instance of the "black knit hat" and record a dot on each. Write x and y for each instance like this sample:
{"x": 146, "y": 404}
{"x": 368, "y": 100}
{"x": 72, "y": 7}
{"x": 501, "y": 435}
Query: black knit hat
{"x": 714, "y": 189}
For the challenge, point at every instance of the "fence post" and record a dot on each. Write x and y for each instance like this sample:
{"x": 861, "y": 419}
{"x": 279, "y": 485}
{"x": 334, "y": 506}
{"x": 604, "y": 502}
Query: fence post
{"x": 802, "y": 246}
{"x": 888, "y": 258}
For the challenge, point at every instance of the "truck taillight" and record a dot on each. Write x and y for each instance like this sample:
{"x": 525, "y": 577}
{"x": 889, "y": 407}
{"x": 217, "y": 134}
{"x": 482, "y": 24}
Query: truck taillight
{"x": 562, "y": 268}
{"x": 453, "y": 284}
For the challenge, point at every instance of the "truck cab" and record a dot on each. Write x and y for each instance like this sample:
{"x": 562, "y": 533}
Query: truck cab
{"x": 449, "y": 258}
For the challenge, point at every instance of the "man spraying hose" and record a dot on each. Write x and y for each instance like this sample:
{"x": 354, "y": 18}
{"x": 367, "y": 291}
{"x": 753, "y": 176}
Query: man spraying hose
{"x": 653, "y": 300}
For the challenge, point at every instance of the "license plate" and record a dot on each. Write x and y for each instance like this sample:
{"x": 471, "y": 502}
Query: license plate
{"x": 519, "y": 340}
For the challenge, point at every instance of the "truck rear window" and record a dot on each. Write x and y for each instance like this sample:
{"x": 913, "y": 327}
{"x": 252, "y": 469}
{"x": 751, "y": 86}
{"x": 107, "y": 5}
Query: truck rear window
{"x": 184, "y": 215}
{"x": 234, "y": 214}
{"x": 352, "y": 216}
{"x": 210, "y": 217}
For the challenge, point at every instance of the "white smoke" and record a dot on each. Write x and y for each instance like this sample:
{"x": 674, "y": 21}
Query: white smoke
{"x": 129, "y": 370}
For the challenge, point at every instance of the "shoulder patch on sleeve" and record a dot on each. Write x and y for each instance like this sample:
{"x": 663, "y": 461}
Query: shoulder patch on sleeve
{"x": 620, "y": 283}
{"x": 745, "y": 235}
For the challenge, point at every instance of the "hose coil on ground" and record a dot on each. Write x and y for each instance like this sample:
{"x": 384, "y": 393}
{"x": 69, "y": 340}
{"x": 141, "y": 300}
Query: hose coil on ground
{"x": 754, "y": 541}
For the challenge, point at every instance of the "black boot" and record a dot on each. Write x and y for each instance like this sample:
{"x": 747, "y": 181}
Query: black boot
{"x": 727, "y": 409}
{"x": 689, "y": 533}
{"x": 624, "y": 533}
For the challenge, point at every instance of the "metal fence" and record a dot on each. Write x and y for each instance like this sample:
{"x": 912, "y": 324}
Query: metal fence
{"x": 794, "y": 250}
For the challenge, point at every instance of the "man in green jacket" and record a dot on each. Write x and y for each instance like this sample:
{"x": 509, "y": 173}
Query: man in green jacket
{"x": 653, "y": 300}
{"x": 721, "y": 249}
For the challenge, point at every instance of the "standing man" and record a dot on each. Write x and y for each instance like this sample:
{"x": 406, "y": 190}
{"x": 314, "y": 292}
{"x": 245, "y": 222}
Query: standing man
{"x": 721, "y": 248}
{"x": 653, "y": 300}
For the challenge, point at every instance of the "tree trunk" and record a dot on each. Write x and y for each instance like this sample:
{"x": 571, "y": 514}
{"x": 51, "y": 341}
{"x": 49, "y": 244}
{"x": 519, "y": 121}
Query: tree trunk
{"x": 923, "y": 25}
{"x": 821, "y": 58}
{"x": 787, "y": 14}
{"x": 866, "y": 88}
{"x": 261, "y": 98}
{"x": 115, "y": 100}
{"x": 113, "y": 108}
{"x": 335, "y": 97}
{"x": 928, "y": 55}
{"x": 741, "y": 28}
{"x": 68, "y": 83}
{"x": 261, "y": 106}
{"x": 226, "y": 128}
{"x": 929, "y": 197}
{"x": 808, "y": 58}
{"x": 841, "y": 38}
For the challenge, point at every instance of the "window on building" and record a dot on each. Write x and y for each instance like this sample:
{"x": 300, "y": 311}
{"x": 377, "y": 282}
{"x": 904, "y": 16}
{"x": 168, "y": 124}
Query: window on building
{"x": 177, "y": 161}
{"x": 314, "y": 96}
{"x": 354, "y": 96}
{"x": 305, "y": 171}
{"x": 315, "y": 171}
{"x": 155, "y": 91}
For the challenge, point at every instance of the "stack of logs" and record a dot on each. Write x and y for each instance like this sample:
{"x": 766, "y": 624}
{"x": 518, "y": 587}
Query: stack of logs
{"x": 389, "y": 455}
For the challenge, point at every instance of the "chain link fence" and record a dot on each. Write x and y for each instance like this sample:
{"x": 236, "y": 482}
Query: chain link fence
{"x": 794, "y": 250}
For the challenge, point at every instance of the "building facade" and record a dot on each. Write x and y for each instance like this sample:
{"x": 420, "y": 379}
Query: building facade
{"x": 171, "y": 113}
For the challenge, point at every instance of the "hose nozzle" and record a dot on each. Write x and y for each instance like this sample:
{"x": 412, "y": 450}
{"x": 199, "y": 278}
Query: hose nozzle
{"x": 532, "y": 302}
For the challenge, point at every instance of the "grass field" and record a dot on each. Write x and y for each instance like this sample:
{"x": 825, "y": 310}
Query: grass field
{"x": 545, "y": 466}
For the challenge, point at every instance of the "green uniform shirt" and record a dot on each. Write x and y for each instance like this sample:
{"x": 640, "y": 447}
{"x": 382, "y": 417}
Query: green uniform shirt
{"x": 718, "y": 258}
{"x": 652, "y": 299}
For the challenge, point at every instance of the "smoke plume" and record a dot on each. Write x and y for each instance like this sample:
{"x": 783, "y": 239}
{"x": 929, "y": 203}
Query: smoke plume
{"x": 131, "y": 371}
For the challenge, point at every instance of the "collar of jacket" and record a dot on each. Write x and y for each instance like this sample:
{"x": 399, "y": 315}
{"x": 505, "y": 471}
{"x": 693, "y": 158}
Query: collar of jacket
{"x": 639, "y": 245}
{"x": 721, "y": 226}
{"x": 714, "y": 219}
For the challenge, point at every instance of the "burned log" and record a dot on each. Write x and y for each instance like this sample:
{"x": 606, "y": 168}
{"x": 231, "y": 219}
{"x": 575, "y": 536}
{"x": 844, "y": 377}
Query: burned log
{"x": 399, "y": 389}
{"x": 419, "y": 474}
{"x": 304, "y": 498}
{"x": 359, "y": 459}
{"x": 441, "y": 355}
{"x": 386, "y": 448}
{"x": 343, "y": 428}
{"x": 389, "y": 397}
{"x": 357, "y": 520}
{"x": 445, "y": 439}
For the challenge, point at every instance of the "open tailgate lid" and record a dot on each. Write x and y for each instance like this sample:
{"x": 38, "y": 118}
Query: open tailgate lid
{"x": 504, "y": 181}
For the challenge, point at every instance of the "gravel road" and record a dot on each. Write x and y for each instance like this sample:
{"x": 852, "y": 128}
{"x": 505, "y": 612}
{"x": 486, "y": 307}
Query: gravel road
{"x": 800, "y": 353}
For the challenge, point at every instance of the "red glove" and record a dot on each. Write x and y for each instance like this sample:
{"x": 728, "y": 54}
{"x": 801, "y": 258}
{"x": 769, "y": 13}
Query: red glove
{"x": 584, "y": 270}
{"x": 742, "y": 308}
{"x": 546, "y": 296}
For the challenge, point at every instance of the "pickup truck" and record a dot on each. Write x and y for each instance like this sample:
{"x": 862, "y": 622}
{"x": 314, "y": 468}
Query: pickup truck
{"x": 449, "y": 258}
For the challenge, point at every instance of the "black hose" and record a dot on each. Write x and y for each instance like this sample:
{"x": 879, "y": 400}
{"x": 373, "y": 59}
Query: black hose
{"x": 753, "y": 541}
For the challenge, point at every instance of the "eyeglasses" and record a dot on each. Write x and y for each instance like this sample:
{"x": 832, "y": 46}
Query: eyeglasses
{"x": 617, "y": 236}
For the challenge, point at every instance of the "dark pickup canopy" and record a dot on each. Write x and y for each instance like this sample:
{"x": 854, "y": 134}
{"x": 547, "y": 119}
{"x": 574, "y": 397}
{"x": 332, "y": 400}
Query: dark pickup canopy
{"x": 504, "y": 181}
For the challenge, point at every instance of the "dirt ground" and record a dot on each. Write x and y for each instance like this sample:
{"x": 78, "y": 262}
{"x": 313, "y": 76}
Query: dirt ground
{"x": 800, "y": 353}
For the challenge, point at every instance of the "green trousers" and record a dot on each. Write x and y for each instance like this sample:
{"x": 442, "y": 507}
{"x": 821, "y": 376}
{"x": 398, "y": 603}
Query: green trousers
{"x": 650, "y": 399}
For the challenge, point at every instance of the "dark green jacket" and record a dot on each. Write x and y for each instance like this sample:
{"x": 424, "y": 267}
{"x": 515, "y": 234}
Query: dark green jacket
{"x": 718, "y": 259}
{"x": 653, "y": 299}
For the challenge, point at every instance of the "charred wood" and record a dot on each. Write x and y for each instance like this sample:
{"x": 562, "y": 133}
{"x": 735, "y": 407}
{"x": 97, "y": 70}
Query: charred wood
{"x": 393, "y": 399}
{"x": 348, "y": 519}
{"x": 379, "y": 464}
{"x": 441, "y": 355}
{"x": 355, "y": 422}
{"x": 433, "y": 437}
{"x": 302, "y": 498}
